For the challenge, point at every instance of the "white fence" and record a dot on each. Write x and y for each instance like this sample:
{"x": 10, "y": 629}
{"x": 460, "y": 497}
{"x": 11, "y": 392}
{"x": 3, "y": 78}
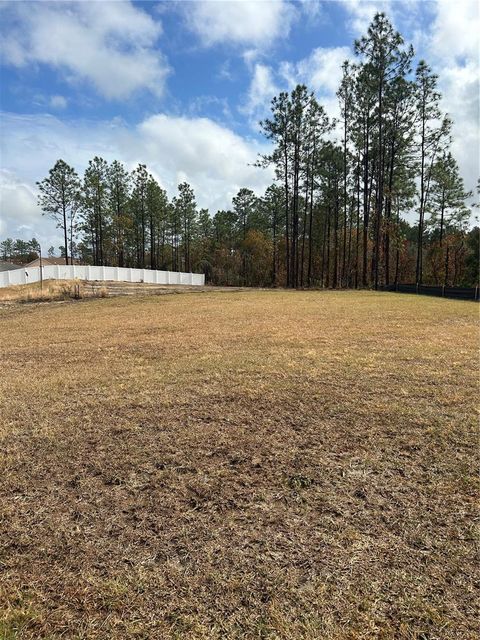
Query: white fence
{"x": 120, "y": 274}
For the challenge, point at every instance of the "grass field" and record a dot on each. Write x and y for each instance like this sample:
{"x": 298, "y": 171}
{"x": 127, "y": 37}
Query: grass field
{"x": 256, "y": 464}
{"x": 57, "y": 290}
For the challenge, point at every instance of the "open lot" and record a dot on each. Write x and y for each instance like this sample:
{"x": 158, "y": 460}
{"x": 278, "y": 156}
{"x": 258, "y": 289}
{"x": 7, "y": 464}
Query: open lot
{"x": 255, "y": 464}
{"x": 52, "y": 290}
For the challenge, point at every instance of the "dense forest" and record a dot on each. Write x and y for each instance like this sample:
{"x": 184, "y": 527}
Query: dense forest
{"x": 336, "y": 213}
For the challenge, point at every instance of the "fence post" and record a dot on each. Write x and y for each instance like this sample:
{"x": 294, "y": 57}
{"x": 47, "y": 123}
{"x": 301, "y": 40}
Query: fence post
{"x": 443, "y": 291}
{"x": 417, "y": 287}
{"x": 476, "y": 293}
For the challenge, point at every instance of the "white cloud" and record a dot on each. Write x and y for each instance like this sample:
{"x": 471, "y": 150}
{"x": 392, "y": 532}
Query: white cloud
{"x": 239, "y": 22}
{"x": 321, "y": 70}
{"x": 312, "y": 9}
{"x": 109, "y": 44}
{"x": 455, "y": 30}
{"x": 58, "y": 102}
{"x": 212, "y": 158}
{"x": 260, "y": 93}
{"x": 361, "y": 13}
{"x": 19, "y": 215}
{"x": 460, "y": 87}
{"x": 453, "y": 50}
{"x": 405, "y": 15}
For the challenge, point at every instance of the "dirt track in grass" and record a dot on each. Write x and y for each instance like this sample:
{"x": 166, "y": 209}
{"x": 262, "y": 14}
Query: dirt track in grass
{"x": 255, "y": 464}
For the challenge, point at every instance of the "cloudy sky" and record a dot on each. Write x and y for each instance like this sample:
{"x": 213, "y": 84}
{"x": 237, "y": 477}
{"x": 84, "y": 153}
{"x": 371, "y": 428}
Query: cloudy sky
{"x": 181, "y": 85}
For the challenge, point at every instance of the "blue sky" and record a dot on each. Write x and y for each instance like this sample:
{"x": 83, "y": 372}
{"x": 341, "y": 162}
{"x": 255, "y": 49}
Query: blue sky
{"x": 182, "y": 85}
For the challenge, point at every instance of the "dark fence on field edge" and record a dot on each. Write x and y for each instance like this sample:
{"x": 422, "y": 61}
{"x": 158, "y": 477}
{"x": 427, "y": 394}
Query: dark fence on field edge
{"x": 459, "y": 293}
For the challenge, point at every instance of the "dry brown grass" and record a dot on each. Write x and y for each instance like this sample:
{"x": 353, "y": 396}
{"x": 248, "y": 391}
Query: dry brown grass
{"x": 285, "y": 465}
{"x": 49, "y": 291}
{"x": 64, "y": 290}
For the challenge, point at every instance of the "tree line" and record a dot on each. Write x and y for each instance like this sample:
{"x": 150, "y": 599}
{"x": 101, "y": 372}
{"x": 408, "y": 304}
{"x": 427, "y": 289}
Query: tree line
{"x": 335, "y": 215}
{"x": 19, "y": 251}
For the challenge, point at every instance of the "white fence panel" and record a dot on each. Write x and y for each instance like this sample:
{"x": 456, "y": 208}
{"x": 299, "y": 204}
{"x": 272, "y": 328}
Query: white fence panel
{"x": 83, "y": 272}
{"x": 136, "y": 275}
{"x": 198, "y": 279}
{"x": 13, "y": 277}
{"x": 123, "y": 274}
{"x": 109, "y": 273}
{"x": 149, "y": 276}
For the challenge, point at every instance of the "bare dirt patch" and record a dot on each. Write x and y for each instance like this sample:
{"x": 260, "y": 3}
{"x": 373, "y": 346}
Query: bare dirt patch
{"x": 246, "y": 465}
{"x": 64, "y": 290}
